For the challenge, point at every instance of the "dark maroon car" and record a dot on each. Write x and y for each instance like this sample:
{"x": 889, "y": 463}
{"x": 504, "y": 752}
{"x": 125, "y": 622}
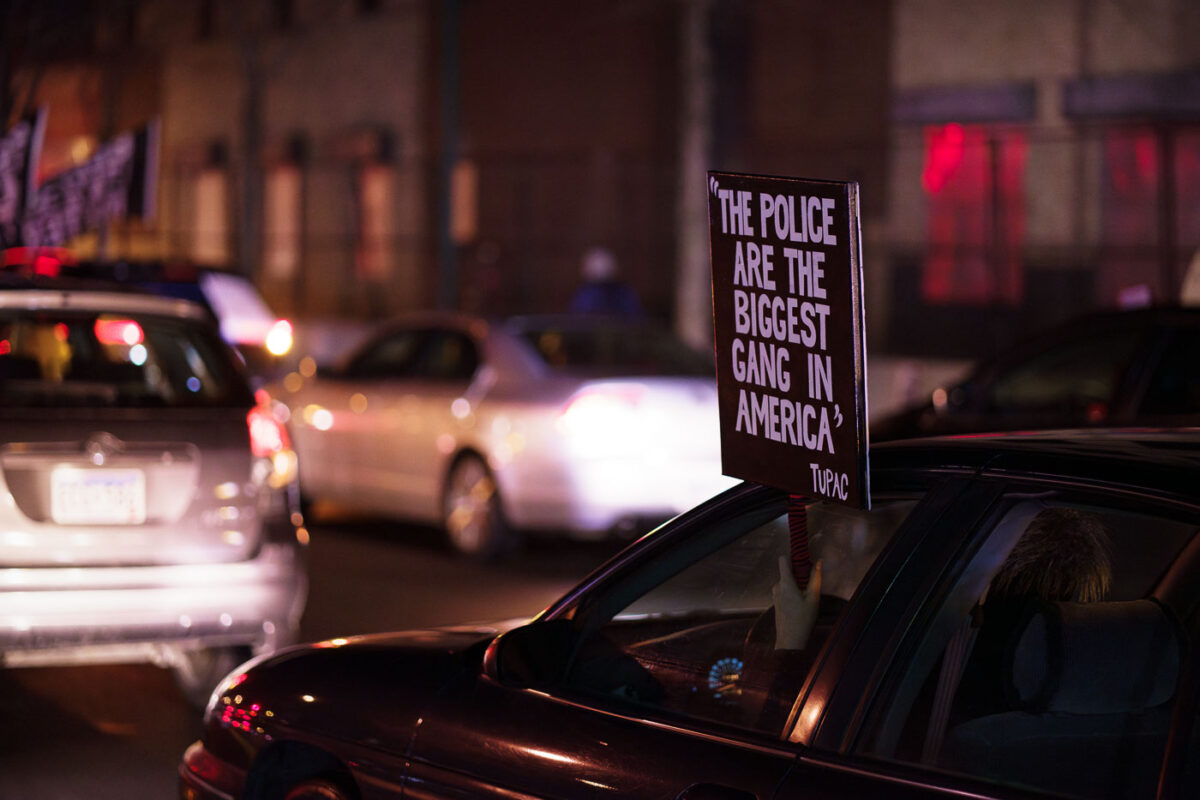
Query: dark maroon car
{"x": 1013, "y": 618}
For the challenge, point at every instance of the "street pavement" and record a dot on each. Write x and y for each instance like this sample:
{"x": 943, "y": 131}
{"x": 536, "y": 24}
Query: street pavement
{"x": 117, "y": 731}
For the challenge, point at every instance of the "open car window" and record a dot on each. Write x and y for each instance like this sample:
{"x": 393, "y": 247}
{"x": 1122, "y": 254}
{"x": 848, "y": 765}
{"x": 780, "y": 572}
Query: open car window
{"x": 693, "y": 632}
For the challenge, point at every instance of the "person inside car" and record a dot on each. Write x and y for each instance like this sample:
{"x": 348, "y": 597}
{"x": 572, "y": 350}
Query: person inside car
{"x": 1063, "y": 556}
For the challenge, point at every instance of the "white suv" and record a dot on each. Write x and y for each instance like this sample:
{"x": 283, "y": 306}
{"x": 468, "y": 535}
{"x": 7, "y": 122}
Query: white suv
{"x": 148, "y": 503}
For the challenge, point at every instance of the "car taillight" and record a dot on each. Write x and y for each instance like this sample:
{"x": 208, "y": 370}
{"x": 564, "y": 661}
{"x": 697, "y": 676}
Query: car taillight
{"x": 597, "y": 408}
{"x": 269, "y": 440}
{"x": 601, "y": 420}
{"x": 118, "y": 331}
{"x": 267, "y": 436}
{"x": 279, "y": 338}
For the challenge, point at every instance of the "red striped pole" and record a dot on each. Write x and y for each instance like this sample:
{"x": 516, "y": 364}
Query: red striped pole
{"x": 797, "y": 509}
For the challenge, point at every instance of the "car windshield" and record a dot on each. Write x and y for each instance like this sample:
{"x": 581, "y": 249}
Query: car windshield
{"x": 84, "y": 359}
{"x": 613, "y": 348}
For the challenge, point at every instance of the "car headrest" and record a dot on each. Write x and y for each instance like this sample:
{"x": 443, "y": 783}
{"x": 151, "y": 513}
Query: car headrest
{"x": 1095, "y": 658}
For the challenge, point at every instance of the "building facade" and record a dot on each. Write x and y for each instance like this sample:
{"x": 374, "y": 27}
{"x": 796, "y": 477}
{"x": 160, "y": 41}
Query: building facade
{"x": 1018, "y": 161}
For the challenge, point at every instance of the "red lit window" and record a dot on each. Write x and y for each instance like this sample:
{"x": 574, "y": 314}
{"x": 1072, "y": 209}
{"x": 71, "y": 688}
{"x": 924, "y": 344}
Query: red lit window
{"x": 1150, "y": 226}
{"x": 974, "y": 185}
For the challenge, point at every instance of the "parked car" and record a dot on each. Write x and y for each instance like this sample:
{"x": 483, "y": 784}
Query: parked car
{"x": 263, "y": 339}
{"x": 663, "y": 675}
{"x": 1106, "y": 369}
{"x": 148, "y": 502}
{"x": 583, "y": 425}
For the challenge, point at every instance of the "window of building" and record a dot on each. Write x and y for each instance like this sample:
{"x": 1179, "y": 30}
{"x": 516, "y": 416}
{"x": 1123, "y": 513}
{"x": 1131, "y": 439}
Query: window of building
{"x": 210, "y": 229}
{"x": 375, "y": 258}
{"x": 1151, "y": 213}
{"x": 284, "y": 221}
{"x": 974, "y": 184}
{"x": 693, "y": 634}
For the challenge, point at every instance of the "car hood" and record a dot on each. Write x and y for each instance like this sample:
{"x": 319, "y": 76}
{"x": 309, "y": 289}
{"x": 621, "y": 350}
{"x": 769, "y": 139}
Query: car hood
{"x": 365, "y": 689}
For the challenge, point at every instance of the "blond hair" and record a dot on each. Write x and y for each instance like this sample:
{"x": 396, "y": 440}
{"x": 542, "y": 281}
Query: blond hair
{"x": 1064, "y": 554}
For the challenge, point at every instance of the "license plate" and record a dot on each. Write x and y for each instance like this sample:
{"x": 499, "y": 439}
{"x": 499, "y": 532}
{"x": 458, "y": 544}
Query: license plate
{"x": 97, "y": 496}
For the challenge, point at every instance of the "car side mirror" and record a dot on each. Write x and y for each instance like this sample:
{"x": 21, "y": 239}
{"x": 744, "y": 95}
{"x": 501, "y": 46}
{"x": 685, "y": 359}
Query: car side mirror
{"x": 531, "y": 656}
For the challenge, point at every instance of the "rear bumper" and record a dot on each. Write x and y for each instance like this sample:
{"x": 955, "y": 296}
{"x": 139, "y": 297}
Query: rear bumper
{"x": 597, "y": 497}
{"x": 56, "y": 615}
{"x": 203, "y": 776}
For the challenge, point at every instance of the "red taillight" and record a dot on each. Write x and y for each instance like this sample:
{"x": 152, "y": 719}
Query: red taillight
{"x": 268, "y": 437}
{"x": 118, "y": 331}
{"x": 599, "y": 408}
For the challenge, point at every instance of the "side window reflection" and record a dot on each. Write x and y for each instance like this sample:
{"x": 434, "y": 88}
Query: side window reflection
{"x": 1077, "y": 377}
{"x": 695, "y": 632}
{"x": 1053, "y": 660}
{"x": 387, "y": 358}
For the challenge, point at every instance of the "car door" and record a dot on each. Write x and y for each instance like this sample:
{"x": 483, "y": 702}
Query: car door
{"x": 340, "y": 419}
{"x": 1171, "y": 395}
{"x": 418, "y": 417}
{"x": 1044, "y": 655}
{"x": 660, "y": 679}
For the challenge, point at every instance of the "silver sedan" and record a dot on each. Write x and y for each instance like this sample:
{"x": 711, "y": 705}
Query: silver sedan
{"x": 580, "y": 426}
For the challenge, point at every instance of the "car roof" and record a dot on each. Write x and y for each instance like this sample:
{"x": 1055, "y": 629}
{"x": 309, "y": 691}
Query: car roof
{"x": 96, "y": 298}
{"x": 1162, "y": 461}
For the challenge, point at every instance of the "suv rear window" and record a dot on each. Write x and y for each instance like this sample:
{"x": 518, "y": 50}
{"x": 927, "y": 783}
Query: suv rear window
{"x": 65, "y": 357}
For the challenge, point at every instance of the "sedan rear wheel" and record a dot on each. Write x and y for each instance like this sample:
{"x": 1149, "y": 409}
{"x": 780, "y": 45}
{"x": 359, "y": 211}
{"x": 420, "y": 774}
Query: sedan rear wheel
{"x": 472, "y": 516}
{"x": 316, "y": 789}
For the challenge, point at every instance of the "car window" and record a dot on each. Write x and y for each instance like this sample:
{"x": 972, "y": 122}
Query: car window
{"x": 1047, "y": 662}
{"x": 446, "y": 356}
{"x": 77, "y": 358}
{"x": 607, "y": 349}
{"x": 693, "y": 632}
{"x": 1174, "y": 387}
{"x": 391, "y": 356}
{"x": 1080, "y": 376}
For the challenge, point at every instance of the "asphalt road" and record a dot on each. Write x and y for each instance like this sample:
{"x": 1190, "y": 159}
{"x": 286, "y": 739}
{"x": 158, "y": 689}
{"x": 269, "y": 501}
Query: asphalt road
{"x": 117, "y": 731}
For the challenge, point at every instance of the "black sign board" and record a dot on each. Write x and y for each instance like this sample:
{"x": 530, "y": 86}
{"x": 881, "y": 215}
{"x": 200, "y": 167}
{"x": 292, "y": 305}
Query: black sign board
{"x": 116, "y": 183}
{"x": 788, "y": 310}
{"x": 19, "y": 151}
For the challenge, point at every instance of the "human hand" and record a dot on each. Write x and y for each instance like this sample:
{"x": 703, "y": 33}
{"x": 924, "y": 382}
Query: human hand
{"x": 795, "y": 608}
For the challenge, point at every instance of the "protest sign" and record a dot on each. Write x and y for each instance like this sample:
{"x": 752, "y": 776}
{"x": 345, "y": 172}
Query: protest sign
{"x": 20, "y": 148}
{"x": 789, "y": 334}
{"x": 116, "y": 183}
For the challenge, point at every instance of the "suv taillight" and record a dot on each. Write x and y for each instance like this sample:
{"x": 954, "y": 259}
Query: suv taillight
{"x": 269, "y": 440}
{"x": 268, "y": 437}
